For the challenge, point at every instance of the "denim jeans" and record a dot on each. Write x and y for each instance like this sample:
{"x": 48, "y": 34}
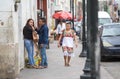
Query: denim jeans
{"x": 43, "y": 55}
{"x": 30, "y": 49}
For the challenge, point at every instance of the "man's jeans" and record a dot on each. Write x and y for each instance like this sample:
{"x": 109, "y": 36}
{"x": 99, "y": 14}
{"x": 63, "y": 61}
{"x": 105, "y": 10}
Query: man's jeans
{"x": 43, "y": 55}
{"x": 30, "y": 49}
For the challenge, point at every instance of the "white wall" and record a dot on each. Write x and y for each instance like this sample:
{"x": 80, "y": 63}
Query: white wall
{"x": 9, "y": 42}
{"x": 62, "y": 5}
{"x": 4, "y": 7}
{"x": 11, "y": 31}
{"x": 27, "y": 9}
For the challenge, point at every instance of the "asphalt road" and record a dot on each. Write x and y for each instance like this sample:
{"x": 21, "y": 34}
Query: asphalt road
{"x": 113, "y": 67}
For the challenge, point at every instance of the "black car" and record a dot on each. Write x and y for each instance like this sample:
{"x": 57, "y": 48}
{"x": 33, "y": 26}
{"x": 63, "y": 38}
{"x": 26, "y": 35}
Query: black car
{"x": 110, "y": 40}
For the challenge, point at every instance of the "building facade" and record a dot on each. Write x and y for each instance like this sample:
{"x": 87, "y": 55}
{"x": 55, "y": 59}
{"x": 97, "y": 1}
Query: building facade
{"x": 14, "y": 14}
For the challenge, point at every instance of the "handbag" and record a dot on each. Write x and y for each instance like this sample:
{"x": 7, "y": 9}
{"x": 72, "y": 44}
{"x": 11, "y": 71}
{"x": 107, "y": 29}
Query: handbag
{"x": 35, "y": 36}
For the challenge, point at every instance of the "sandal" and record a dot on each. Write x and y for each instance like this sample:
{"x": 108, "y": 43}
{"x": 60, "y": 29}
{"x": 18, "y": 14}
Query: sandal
{"x": 45, "y": 66}
{"x": 40, "y": 67}
{"x": 34, "y": 66}
{"x": 68, "y": 65}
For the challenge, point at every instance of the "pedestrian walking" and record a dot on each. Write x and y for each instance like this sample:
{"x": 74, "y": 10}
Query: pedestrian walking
{"x": 68, "y": 36}
{"x": 43, "y": 41}
{"x": 60, "y": 27}
{"x": 28, "y": 41}
{"x": 63, "y": 24}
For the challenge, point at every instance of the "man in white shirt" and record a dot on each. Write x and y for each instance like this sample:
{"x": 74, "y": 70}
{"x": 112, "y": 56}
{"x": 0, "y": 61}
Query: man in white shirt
{"x": 60, "y": 27}
{"x": 63, "y": 25}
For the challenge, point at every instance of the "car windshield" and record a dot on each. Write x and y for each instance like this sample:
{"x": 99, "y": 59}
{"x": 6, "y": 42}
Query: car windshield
{"x": 104, "y": 20}
{"x": 111, "y": 30}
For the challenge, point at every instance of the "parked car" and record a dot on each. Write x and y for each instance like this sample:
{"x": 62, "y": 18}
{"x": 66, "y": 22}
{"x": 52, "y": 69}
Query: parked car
{"x": 103, "y": 18}
{"x": 110, "y": 40}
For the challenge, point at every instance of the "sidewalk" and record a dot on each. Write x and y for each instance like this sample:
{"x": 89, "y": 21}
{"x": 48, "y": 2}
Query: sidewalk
{"x": 56, "y": 68}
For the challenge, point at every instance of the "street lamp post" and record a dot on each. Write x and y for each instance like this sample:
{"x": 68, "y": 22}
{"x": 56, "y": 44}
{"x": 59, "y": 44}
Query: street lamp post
{"x": 70, "y": 6}
{"x": 87, "y": 68}
{"x": 73, "y": 13}
{"x": 94, "y": 41}
{"x": 84, "y": 43}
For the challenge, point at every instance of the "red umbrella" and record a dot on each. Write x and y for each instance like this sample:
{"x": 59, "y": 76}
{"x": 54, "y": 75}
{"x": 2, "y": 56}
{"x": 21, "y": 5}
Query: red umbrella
{"x": 62, "y": 15}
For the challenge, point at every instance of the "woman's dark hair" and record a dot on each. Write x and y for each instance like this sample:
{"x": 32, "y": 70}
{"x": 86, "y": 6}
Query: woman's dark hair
{"x": 43, "y": 20}
{"x": 27, "y": 23}
{"x": 63, "y": 20}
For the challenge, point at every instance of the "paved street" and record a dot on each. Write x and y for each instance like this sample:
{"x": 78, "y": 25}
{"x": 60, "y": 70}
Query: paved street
{"x": 113, "y": 67}
{"x": 57, "y": 70}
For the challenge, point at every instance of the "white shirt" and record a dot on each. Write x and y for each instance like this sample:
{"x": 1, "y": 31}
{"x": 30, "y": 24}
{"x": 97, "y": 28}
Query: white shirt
{"x": 63, "y": 26}
{"x": 60, "y": 28}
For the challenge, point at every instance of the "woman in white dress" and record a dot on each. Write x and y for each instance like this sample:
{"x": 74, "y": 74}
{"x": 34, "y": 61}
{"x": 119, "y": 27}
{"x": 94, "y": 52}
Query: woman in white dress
{"x": 68, "y": 36}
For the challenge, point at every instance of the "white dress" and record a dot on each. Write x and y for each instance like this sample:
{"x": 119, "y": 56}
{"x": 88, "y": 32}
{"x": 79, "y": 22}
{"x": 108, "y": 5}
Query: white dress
{"x": 68, "y": 40}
